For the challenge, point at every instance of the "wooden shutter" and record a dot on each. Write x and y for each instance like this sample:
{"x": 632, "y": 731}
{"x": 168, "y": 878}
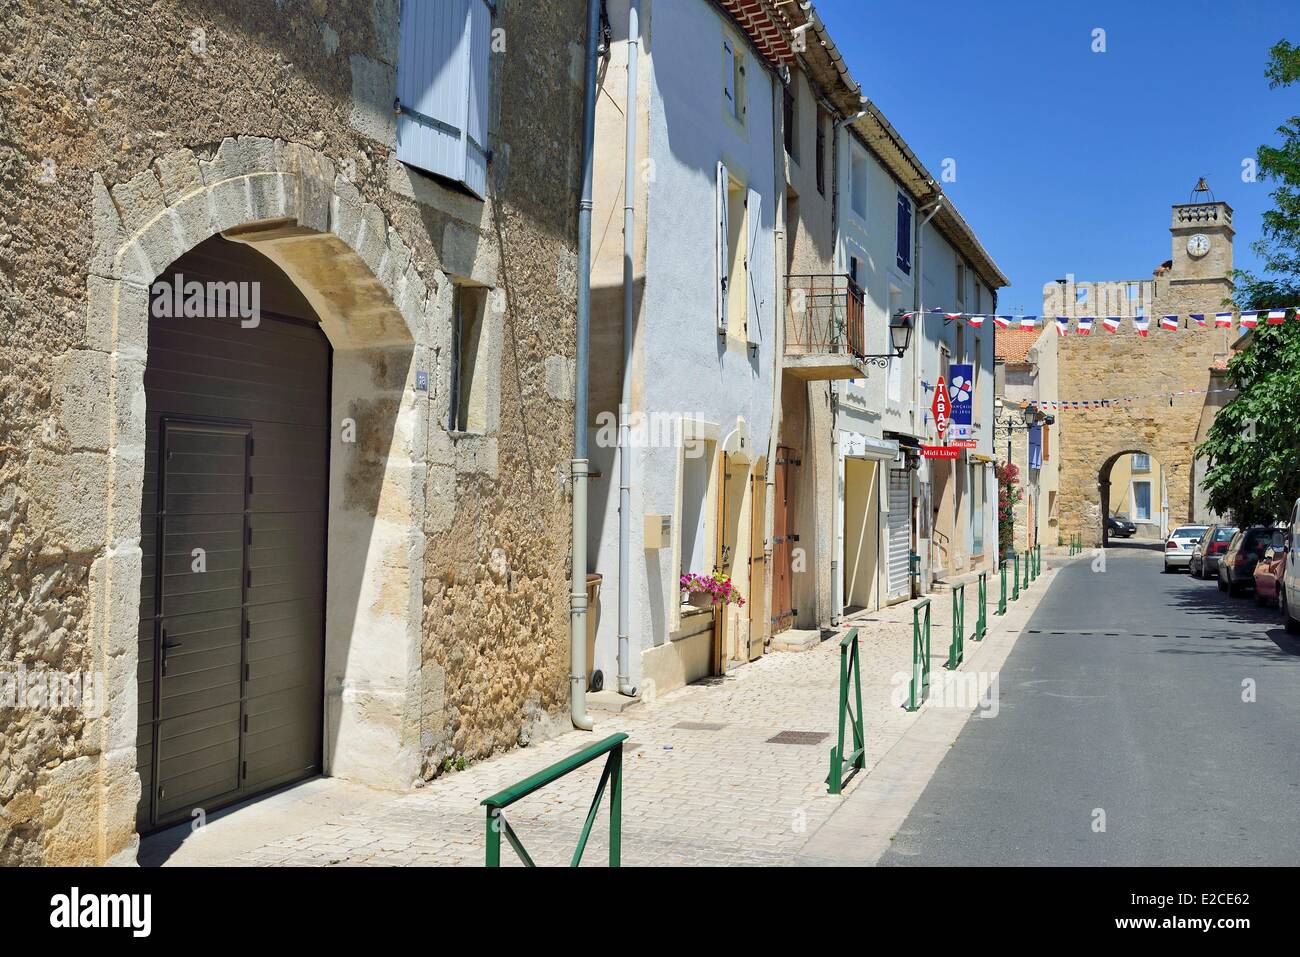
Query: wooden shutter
{"x": 442, "y": 89}
{"x": 755, "y": 274}
{"x": 904, "y": 233}
{"x": 729, "y": 78}
{"x": 723, "y": 253}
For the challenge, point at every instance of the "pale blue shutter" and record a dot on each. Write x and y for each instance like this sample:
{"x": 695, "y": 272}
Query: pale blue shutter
{"x": 721, "y": 223}
{"x": 755, "y": 262}
{"x": 442, "y": 89}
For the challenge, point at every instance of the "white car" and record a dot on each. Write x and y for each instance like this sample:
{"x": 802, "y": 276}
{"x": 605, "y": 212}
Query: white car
{"x": 1178, "y": 547}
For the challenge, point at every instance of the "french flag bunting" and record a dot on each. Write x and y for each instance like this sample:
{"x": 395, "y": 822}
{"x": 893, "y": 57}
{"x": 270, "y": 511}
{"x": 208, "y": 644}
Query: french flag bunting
{"x": 952, "y": 315}
{"x": 1028, "y": 322}
{"x": 1250, "y": 319}
{"x": 1002, "y": 322}
{"x": 1142, "y": 323}
{"x": 1222, "y": 320}
{"x": 1062, "y": 325}
{"x": 976, "y": 321}
{"x": 1276, "y": 316}
{"x": 1111, "y": 323}
{"x": 1168, "y": 322}
{"x": 1198, "y": 318}
{"x": 1085, "y": 325}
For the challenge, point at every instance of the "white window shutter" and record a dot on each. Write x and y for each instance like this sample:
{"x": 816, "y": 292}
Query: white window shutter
{"x": 442, "y": 89}
{"x": 729, "y": 78}
{"x": 755, "y": 273}
{"x": 724, "y": 255}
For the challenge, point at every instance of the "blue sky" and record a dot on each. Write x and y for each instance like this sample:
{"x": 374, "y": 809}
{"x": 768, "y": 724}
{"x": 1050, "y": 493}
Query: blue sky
{"x": 1068, "y": 160}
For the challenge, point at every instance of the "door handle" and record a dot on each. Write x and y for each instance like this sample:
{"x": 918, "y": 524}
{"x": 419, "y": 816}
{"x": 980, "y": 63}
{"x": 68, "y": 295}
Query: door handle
{"x": 165, "y": 646}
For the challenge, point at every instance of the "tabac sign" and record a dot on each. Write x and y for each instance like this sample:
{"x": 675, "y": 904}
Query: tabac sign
{"x": 941, "y": 409}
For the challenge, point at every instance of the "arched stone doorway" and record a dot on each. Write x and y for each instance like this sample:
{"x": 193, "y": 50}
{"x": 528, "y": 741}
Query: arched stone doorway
{"x": 1134, "y": 485}
{"x": 377, "y": 311}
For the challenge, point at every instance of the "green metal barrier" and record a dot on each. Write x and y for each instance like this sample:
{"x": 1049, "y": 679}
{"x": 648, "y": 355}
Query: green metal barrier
{"x": 1032, "y": 561}
{"x": 1025, "y": 586}
{"x": 957, "y": 647}
{"x": 920, "y": 688}
{"x": 1038, "y": 560}
{"x": 844, "y": 766}
{"x": 981, "y": 621}
{"x": 1015, "y": 578}
{"x": 612, "y": 775}
{"x": 1002, "y": 594}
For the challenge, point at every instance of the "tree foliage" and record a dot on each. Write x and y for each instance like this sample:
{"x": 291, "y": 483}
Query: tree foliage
{"x": 1253, "y": 446}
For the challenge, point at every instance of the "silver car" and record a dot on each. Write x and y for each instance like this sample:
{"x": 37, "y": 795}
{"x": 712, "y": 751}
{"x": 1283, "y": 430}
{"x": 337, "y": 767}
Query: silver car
{"x": 1178, "y": 546}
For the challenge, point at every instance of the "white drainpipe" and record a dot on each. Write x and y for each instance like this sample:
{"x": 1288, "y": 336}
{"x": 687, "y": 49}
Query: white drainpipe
{"x": 778, "y": 341}
{"x": 625, "y": 685}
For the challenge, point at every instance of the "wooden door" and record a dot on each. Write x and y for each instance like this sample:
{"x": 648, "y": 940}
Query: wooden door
{"x": 783, "y": 539}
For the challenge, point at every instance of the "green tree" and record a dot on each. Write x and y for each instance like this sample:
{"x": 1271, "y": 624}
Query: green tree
{"x": 1253, "y": 447}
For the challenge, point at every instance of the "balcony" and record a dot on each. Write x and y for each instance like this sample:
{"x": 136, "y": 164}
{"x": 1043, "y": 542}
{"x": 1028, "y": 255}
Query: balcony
{"x": 824, "y": 328}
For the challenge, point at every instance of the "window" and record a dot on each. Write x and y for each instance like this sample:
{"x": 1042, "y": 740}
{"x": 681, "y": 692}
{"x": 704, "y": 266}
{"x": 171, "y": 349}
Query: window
{"x": 1141, "y": 501}
{"x": 961, "y": 283}
{"x": 904, "y": 250}
{"x": 442, "y": 89}
{"x": 1081, "y": 295}
{"x": 858, "y": 184}
{"x": 1035, "y": 446}
{"x": 694, "y": 518}
{"x": 854, "y": 269}
{"x": 791, "y": 140}
{"x": 733, "y": 81}
{"x": 1141, "y": 462}
{"x": 468, "y": 409}
{"x": 821, "y": 152}
{"x": 977, "y": 509}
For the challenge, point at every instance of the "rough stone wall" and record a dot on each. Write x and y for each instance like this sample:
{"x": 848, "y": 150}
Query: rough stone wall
{"x": 1105, "y": 365}
{"x": 101, "y": 92}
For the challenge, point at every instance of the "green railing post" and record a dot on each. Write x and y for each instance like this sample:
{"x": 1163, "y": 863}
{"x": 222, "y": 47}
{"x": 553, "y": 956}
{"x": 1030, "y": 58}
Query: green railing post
{"x": 612, "y": 775}
{"x": 956, "y": 647}
{"x": 1038, "y": 559}
{"x": 1025, "y": 586}
{"x": 857, "y": 760}
{"x": 981, "y": 620}
{"x": 1002, "y": 593}
{"x": 1015, "y": 578}
{"x": 920, "y": 687}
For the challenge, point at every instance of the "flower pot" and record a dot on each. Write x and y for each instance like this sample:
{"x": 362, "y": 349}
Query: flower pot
{"x": 699, "y": 599}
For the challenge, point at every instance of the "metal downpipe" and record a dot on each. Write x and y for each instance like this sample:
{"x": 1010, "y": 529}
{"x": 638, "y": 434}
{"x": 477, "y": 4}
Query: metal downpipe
{"x": 625, "y": 686}
{"x": 578, "y": 575}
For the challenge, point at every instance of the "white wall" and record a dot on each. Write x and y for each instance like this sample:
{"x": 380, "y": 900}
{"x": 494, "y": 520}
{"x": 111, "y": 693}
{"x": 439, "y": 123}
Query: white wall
{"x": 682, "y": 367}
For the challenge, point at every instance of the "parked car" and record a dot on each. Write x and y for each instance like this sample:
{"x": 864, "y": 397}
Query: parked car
{"x": 1290, "y": 570}
{"x": 1178, "y": 548}
{"x": 1237, "y": 566}
{"x": 1268, "y": 572}
{"x": 1206, "y": 553}
{"x": 1120, "y": 527}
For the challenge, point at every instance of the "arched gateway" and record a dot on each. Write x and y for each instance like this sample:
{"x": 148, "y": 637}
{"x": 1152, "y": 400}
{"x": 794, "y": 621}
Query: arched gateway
{"x": 1152, "y": 393}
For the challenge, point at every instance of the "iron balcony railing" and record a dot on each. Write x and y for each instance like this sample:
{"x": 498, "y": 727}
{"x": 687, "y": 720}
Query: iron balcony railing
{"x": 824, "y": 315}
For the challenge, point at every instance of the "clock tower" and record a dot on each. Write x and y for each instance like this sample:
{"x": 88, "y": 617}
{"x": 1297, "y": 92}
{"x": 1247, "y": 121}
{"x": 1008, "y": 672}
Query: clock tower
{"x": 1202, "y": 247}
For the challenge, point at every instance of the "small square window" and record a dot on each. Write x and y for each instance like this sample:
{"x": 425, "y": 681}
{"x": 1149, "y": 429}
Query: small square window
{"x": 468, "y": 407}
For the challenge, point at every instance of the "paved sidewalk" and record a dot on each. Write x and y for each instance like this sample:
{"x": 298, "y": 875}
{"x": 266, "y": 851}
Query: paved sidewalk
{"x": 702, "y": 781}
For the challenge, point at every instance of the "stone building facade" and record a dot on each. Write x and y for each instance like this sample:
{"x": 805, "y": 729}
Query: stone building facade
{"x": 1160, "y": 371}
{"x": 127, "y": 143}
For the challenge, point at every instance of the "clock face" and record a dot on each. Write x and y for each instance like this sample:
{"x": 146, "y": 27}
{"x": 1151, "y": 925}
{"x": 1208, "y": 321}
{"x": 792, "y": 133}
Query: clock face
{"x": 1198, "y": 245}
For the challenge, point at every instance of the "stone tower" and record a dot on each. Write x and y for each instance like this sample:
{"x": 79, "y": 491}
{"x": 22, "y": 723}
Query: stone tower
{"x": 1153, "y": 369}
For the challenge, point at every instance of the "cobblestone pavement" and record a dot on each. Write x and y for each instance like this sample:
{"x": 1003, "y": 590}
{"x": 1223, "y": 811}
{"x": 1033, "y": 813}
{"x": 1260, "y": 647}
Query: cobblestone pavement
{"x": 702, "y": 781}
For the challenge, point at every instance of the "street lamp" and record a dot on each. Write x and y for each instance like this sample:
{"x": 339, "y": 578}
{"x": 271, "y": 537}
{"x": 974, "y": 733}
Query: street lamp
{"x": 900, "y": 337}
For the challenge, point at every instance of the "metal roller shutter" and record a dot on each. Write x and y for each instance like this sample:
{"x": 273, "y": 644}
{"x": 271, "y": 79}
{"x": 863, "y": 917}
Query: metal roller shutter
{"x": 231, "y": 656}
{"x": 900, "y": 537}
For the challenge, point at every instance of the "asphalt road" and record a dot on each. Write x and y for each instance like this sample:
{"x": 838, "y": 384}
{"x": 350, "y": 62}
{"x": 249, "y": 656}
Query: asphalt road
{"x": 1123, "y": 697}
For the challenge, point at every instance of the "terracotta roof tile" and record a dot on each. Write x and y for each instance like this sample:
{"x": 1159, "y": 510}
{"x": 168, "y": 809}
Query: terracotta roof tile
{"x": 1012, "y": 345}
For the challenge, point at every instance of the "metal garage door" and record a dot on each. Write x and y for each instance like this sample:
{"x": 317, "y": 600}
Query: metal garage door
{"x": 233, "y": 534}
{"x": 900, "y": 534}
